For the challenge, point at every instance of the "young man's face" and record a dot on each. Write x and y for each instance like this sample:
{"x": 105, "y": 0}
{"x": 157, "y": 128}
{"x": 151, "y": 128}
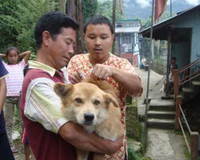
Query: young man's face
{"x": 99, "y": 40}
{"x": 173, "y": 61}
{"x": 61, "y": 48}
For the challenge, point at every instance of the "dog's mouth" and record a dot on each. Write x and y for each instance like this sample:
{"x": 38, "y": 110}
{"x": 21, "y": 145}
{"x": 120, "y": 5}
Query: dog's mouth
{"x": 88, "y": 123}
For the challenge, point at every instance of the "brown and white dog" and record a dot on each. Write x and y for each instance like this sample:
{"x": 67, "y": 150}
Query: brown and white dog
{"x": 94, "y": 106}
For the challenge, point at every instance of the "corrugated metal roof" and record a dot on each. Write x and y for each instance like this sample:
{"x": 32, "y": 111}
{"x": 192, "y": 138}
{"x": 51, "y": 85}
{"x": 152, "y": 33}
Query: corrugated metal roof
{"x": 127, "y": 29}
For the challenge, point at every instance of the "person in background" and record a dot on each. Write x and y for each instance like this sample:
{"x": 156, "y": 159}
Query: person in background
{"x": 14, "y": 81}
{"x": 171, "y": 75}
{"x": 144, "y": 63}
{"x": 102, "y": 65}
{"x": 5, "y": 150}
{"x": 51, "y": 136}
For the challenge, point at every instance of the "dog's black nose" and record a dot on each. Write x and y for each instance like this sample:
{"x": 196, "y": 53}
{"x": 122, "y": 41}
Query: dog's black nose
{"x": 88, "y": 117}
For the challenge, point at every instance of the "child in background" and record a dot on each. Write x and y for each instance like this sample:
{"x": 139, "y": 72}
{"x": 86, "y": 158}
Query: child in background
{"x": 14, "y": 85}
{"x": 5, "y": 151}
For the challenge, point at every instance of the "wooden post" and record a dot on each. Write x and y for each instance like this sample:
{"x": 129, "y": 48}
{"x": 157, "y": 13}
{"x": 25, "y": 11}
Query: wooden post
{"x": 176, "y": 82}
{"x": 73, "y": 10}
{"x": 113, "y": 23}
{"x": 194, "y": 145}
{"x": 81, "y": 25}
{"x": 62, "y": 4}
{"x": 178, "y": 112}
{"x": 168, "y": 60}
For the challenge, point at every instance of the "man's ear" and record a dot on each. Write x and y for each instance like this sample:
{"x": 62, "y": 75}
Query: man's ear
{"x": 46, "y": 37}
{"x": 62, "y": 89}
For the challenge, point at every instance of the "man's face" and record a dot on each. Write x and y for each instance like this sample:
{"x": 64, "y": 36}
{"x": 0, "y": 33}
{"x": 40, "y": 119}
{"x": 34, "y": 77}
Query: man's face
{"x": 99, "y": 40}
{"x": 61, "y": 47}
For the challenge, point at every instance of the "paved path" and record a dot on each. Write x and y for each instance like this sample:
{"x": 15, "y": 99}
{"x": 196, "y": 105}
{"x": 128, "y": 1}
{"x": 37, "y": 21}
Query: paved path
{"x": 161, "y": 144}
{"x": 165, "y": 145}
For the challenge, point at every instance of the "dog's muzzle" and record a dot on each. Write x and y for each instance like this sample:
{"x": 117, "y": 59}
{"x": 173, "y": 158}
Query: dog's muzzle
{"x": 88, "y": 117}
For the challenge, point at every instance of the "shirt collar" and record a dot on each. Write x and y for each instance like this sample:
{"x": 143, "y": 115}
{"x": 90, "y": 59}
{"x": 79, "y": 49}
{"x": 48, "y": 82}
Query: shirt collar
{"x": 42, "y": 66}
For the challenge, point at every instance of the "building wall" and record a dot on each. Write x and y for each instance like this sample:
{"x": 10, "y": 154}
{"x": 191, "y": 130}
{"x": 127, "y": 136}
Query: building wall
{"x": 126, "y": 39}
{"x": 192, "y": 20}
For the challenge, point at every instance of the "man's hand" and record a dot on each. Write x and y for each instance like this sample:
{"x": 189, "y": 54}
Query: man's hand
{"x": 101, "y": 71}
{"x": 81, "y": 139}
{"x": 77, "y": 77}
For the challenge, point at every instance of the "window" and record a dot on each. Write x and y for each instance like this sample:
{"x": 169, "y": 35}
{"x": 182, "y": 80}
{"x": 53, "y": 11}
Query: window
{"x": 129, "y": 40}
{"x": 123, "y": 40}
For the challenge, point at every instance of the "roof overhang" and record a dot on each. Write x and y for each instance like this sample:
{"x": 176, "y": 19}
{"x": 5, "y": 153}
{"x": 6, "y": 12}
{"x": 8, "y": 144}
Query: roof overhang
{"x": 160, "y": 30}
{"x": 127, "y": 29}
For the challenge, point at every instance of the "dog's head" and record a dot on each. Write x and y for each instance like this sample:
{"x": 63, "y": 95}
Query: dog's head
{"x": 85, "y": 103}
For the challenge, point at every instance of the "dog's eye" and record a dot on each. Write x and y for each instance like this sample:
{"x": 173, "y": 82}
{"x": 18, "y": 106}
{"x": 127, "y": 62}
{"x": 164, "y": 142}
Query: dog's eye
{"x": 96, "y": 102}
{"x": 78, "y": 100}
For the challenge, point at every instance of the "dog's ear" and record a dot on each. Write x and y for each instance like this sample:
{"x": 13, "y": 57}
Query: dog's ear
{"x": 62, "y": 89}
{"x": 111, "y": 99}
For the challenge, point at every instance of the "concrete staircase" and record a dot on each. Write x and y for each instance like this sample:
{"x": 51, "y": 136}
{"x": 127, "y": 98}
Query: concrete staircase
{"x": 190, "y": 92}
{"x": 161, "y": 114}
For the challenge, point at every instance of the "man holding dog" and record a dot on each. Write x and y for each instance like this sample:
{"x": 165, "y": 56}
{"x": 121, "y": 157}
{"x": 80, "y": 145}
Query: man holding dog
{"x": 51, "y": 136}
{"x": 100, "y": 64}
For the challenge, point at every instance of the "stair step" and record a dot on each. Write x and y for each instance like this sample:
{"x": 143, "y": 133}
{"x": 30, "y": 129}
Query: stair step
{"x": 187, "y": 90}
{"x": 160, "y": 123}
{"x": 161, "y": 107}
{"x": 196, "y": 83}
{"x": 161, "y": 114}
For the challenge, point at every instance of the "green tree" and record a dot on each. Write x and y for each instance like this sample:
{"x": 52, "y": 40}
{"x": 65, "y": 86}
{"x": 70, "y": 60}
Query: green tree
{"x": 106, "y": 8}
{"x": 17, "y": 21}
{"x": 28, "y": 13}
{"x": 89, "y": 8}
{"x": 8, "y": 22}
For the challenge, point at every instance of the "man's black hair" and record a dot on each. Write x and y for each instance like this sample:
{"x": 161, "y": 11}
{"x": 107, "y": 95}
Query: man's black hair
{"x": 96, "y": 20}
{"x": 53, "y": 22}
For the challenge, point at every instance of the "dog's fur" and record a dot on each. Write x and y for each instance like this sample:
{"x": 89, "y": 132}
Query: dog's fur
{"x": 94, "y": 106}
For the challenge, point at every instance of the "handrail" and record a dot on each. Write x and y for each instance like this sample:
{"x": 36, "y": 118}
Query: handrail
{"x": 186, "y": 78}
{"x": 194, "y": 136}
{"x": 184, "y": 135}
{"x": 189, "y": 65}
{"x": 190, "y": 77}
{"x": 185, "y": 119}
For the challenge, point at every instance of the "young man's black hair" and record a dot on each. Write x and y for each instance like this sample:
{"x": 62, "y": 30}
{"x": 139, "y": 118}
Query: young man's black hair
{"x": 53, "y": 22}
{"x": 96, "y": 20}
{"x": 173, "y": 58}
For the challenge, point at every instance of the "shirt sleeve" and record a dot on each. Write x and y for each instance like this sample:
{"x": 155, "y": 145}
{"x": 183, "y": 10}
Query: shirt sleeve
{"x": 43, "y": 105}
{"x": 23, "y": 63}
{"x": 3, "y": 71}
{"x": 127, "y": 67}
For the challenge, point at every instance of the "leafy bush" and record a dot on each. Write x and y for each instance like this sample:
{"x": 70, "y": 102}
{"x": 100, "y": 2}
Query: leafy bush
{"x": 17, "y": 22}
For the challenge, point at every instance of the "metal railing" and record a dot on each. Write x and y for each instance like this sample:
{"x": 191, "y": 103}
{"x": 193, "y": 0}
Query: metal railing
{"x": 192, "y": 145}
{"x": 186, "y": 74}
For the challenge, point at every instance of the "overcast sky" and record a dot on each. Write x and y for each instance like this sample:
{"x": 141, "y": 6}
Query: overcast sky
{"x": 147, "y": 3}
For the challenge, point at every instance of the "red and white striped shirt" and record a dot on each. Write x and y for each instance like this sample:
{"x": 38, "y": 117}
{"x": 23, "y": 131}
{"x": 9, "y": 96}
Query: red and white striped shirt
{"x": 15, "y": 78}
